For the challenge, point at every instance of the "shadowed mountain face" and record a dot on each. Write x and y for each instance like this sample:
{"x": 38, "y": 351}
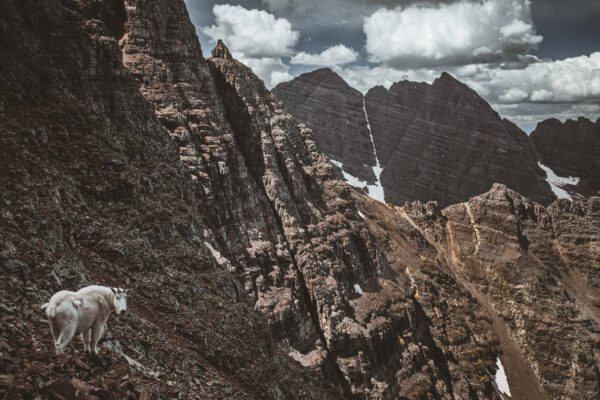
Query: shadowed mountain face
{"x": 435, "y": 142}
{"x": 334, "y": 110}
{"x": 571, "y": 149}
{"x": 129, "y": 160}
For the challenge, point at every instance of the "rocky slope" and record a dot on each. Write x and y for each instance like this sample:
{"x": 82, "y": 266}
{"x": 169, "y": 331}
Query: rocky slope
{"x": 571, "y": 149}
{"x": 533, "y": 270}
{"x": 128, "y": 159}
{"x": 437, "y": 142}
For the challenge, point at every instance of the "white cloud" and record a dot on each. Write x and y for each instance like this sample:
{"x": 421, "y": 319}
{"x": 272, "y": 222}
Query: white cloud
{"x": 513, "y": 95}
{"x": 561, "y": 89}
{"x": 334, "y": 55}
{"x": 270, "y": 70}
{"x": 450, "y": 34}
{"x": 254, "y": 33}
{"x": 257, "y": 39}
{"x": 364, "y": 78}
{"x": 570, "y": 80}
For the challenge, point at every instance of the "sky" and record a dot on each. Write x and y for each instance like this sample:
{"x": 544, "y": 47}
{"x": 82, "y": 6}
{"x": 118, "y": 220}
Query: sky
{"x": 530, "y": 59}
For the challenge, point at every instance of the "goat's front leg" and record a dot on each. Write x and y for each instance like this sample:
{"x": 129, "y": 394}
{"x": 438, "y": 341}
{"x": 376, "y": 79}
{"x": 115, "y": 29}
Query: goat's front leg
{"x": 86, "y": 337}
{"x": 97, "y": 331}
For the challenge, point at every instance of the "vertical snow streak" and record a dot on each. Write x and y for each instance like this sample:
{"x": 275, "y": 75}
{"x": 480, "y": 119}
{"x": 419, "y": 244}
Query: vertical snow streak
{"x": 377, "y": 167}
{"x": 501, "y": 380}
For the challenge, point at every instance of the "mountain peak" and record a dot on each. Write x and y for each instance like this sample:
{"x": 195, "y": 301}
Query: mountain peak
{"x": 446, "y": 78}
{"x": 324, "y": 74}
{"x": 221, "y": 51}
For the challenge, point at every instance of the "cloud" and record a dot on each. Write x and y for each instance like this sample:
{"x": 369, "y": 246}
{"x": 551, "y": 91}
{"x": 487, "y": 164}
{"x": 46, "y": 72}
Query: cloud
{"x": 562, "y": 81}
{"x": 256, "y": 38}
{"x": 270, "y": 70}
{"x": 561, "y": 89}
{"x": 460, "y": 33}
{"x": 364, "y": 78}
{"x": 254, "y": 33}
{"x": 570, "y": 80}
{"x": 334, "y": 55}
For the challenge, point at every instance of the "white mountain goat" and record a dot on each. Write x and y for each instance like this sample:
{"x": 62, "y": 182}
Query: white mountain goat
{"x": 85, "y": 311}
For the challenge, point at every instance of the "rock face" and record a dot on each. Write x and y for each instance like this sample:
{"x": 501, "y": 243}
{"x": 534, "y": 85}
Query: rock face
{"x": 93, "y": 191}
{"x": 538, "y": 269}
{"x": 130, "y": 160}
{"x": 437, "y": 142}
{"x": 335, "y": 112}
{"x": 504, "y": 264}
{"x": 571, "y": 149}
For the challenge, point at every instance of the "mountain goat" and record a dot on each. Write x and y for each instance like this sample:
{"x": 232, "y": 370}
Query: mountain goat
{"x": 85, "y": 311}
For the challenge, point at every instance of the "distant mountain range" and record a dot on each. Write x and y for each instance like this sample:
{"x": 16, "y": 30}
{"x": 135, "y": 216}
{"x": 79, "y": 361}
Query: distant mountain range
{"x": 442, "y": 142}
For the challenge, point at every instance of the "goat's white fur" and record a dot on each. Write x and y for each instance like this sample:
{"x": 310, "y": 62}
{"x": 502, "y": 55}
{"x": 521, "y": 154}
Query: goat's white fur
{"x": 85, "y": 311}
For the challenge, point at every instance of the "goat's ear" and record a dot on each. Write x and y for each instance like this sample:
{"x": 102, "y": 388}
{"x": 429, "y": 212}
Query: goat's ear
{"x": 114, "y": 290}
{"x": 127, "y": 290}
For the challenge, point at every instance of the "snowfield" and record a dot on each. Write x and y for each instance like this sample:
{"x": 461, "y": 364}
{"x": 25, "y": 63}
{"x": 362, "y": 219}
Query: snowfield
{"x": 557, "y": 183}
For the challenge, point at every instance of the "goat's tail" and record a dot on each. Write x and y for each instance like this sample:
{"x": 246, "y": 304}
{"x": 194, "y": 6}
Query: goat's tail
{"x": 50, "y": 309}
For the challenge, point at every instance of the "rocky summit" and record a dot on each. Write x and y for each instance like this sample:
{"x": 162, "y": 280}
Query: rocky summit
{"x": 438, "y": 142}
{"x": 128, "y": 159}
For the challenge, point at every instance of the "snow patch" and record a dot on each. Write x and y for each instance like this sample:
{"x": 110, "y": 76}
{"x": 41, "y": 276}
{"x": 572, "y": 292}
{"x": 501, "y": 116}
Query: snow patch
{"x": 358, "y": 289}
{"x": 500, "y": 379}
{"x": 375, "y": 191}
{"x": 361, "y": 215}
{"x": 557, "y": 183}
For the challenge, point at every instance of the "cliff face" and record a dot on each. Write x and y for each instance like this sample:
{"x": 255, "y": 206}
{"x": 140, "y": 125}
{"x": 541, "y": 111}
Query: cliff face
{"x": 571, "y": 149}
{"x": 437, "y": 142}
{"x": 93, "y": 191}
{"x": 130, "y": 160}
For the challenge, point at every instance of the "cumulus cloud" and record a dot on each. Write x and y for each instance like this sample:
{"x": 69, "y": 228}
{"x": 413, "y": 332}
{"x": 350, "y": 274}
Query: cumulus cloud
{"x": 562, "y": 89}
{"x": 561, "y": 81}
{"x": 270, "y": 70}
{"x": 450, "y": 34}
{"x": 334, "y": 55}
{"x": 254, "y": 33}
{"x": 256, "y": 38}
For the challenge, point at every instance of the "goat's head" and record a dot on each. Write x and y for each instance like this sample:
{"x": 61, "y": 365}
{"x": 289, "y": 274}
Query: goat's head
{"x": 120, "y": 300}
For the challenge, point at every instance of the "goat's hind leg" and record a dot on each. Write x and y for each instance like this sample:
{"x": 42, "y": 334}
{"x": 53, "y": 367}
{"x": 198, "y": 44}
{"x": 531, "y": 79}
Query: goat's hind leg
{"x": 64, "y": 338}
{"x": 53, "y": 330}
{"x": 86, "y": 338}
{"x": 97, "y": 331}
